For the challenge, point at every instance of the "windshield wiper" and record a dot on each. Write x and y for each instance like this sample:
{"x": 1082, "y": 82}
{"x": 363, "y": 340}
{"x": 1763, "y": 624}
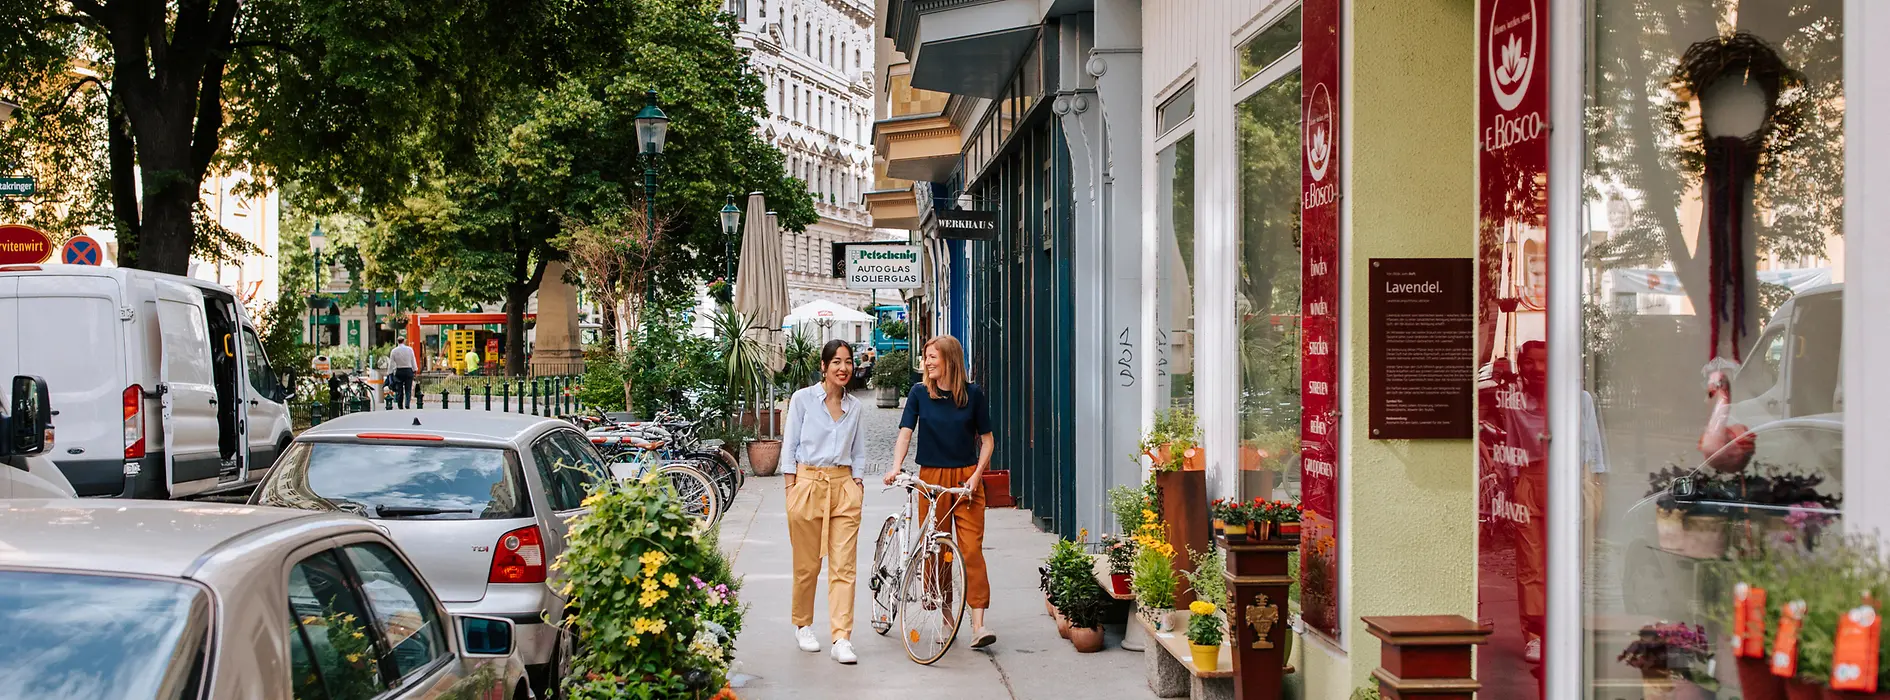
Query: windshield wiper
{"x": 406, "y": 511}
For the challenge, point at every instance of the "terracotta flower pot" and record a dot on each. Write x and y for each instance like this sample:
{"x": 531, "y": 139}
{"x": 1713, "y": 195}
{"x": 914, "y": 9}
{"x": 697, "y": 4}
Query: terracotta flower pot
{"x": 1656, "y": 684}
{"x": 1087, "y": 640}
{"x": 1063, "y": 626}
{"x": 1206, "y": 657}
{"x": 1688, "y": 690}
{"x": 1049, "y": 608}
{"x": 764, "y": 456}
{"x": 1756, "y": 681}
{"x": 1119, "y": 583}
{"x": 1261, "y": 531}
{"x": 1704, "y": 537}
{"x": 1670, "y": 525}
{"x": 1799, "y": 690}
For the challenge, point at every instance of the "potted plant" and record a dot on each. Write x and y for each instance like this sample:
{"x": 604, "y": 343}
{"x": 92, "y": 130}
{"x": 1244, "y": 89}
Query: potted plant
{"x": 1670, "y": 657}
{"x": 892, "y": 376}
{"x": 747, "y": 374}
{"x": 1121, "y": 562}
{"x": 1233, "y": 519}
{"x": 1205, "y": 632}
{"x": 1167, "y": 442}
{"x": 1069, "y": 567}
{"x": 1154, "y": 582}
{"x": 1084, "y": 604}
{"x": 1286, "y": 520}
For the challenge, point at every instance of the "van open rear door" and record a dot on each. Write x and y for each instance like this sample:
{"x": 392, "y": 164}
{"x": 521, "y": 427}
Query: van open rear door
{"x": 188, "y": 394}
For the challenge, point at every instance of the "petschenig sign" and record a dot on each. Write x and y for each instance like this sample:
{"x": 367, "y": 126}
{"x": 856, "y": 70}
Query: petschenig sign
{"x": 884, "y": 266}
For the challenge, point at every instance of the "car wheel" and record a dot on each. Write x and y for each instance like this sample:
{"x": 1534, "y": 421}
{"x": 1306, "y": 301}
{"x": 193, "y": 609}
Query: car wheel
{"x": 560, "y": 667}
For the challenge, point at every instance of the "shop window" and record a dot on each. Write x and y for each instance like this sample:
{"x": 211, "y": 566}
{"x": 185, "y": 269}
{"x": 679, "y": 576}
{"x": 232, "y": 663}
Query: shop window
{"x": 1175, "y": 111}
{"x": 1267, "y": 295}
{"x": 1272, "y": 44}
{"x": 1713, "y": 384}
{"x": 1175, "y": 307}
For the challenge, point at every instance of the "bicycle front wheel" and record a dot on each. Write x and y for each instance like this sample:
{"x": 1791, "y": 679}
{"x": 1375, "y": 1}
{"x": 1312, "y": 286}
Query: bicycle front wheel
{"x": 931, "y": 600}
{"x": 695, "y": 490}
{"x": 885, "y": 577}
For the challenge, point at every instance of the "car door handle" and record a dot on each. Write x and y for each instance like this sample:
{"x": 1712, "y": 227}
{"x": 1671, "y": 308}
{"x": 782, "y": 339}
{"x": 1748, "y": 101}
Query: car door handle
{"x": 254, "y": 402}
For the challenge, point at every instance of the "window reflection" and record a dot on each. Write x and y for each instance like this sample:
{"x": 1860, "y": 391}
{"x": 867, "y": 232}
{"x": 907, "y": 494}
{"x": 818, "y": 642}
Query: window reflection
{"x": 1714, "y": 293}
{"x": 1175, "y": 361}
{"x": 1267, "y": 300}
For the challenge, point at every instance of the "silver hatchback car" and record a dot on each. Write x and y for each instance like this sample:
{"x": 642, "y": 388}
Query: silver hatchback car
{"x": 482, "y": 501}
{"x": 200, "y": 601}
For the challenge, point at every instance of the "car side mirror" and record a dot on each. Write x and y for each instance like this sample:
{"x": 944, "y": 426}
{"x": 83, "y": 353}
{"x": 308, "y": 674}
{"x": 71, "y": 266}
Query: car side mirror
{"x": 31, "y": 422}
{"x": 485, "y": 637}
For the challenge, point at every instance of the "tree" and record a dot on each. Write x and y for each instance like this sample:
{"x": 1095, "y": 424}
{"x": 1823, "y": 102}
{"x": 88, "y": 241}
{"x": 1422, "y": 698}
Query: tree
{"x": 347, "y": 98}
{"x": 567, "y": 159}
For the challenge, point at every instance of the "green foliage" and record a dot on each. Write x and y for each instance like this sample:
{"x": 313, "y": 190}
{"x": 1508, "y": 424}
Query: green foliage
{"x": 1832, "y": 580}
{"x": 893, "y": 371}
{"x": 1208, "y": 577}
{"x": 745, "y": 368}
{"x": 1366, "y": 693}
{"x": 1073, "y": 586}
{"x": 627, "y": 570}
{"x": 671, "y": 365}
{"x": 1127, "y": 504}
{"x": 350, "y": 664}
{"x": 894, "y": 329}
{"x": 1177, "y": 429}
{"x": 1154, "y": 580}
{"x": 803, "y": 362}
{"x": 603, "y": 381}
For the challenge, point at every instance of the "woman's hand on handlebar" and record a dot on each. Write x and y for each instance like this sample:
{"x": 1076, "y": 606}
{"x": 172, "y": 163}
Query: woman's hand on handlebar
{"x": 891, "y": 475}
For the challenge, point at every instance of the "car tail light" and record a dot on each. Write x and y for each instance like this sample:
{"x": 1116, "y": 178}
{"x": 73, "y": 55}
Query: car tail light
{"x": 519, "y": 557}
{"x": 134, "y": 422}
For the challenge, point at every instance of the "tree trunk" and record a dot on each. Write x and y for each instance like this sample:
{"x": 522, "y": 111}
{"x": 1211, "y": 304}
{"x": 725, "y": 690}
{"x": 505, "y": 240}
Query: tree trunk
{"x": 167, "y": 231}
{"x": 517, "y": 297}
{"x": 123, "y": 159}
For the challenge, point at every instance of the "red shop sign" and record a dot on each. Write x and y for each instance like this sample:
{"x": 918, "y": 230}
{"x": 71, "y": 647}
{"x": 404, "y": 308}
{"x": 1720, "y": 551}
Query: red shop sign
{"x": 1512, "y": 351}
{"x": 1319, "y": 338}
{"x": 23, "y": 245}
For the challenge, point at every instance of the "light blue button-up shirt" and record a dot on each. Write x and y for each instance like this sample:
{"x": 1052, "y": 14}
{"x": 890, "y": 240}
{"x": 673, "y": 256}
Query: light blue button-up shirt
{"x": 812, "y": 437}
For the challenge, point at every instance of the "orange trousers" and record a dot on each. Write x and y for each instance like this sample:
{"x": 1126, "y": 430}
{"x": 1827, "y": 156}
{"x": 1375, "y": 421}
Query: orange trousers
{"x": 968, "y": 522}
{"x": 823, "y": 509}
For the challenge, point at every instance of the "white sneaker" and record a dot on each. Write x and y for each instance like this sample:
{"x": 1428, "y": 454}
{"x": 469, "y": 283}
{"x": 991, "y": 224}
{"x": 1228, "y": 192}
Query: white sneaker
{"x": 805, "y": 636}
{"x": 843, "y": 652}
{"x": 1532, "y": 652}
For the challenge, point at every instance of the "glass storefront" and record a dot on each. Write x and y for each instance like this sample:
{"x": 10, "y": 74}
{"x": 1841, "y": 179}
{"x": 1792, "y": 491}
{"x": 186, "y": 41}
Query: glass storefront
{"x": 1175, "y": 202}
{"x": 1267, "y": 296}
{"x": 1713, "y": 290}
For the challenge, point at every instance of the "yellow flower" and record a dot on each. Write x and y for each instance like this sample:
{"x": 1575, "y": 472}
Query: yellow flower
{"x": 649, "y": 584}
{"x": 654, "y": 557}
{"x": 591, "y": 500}
{"x": 354, "y": 658}
{"x": 671, "y": 581}
{"x": 634, "y": 640}
{"x": 650, "y": 598}
{"x": 644, "y": 624}
{"x": 358, "y": 635}
{"x": 1082, "y": 534}
{"x": 1201, "y": 607}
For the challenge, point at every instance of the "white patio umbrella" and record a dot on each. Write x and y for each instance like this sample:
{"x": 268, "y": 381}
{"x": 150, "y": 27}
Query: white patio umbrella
{"x": 822, "y": 309}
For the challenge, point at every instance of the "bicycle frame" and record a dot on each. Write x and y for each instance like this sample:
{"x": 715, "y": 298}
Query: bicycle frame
{"x": 911, "y": 540}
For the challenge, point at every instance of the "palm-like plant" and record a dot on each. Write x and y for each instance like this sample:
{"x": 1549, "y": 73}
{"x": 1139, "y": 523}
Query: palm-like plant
{"x": 803, "y": 361}
{"x": 744, "y": 358}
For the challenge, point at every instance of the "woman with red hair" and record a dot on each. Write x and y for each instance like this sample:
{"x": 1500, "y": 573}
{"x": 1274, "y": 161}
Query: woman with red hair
{"x": 954, "y": 450}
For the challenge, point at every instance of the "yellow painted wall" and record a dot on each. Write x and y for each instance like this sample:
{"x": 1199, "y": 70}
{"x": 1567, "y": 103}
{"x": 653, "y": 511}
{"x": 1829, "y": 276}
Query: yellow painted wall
{"x": 1410, "y": 100}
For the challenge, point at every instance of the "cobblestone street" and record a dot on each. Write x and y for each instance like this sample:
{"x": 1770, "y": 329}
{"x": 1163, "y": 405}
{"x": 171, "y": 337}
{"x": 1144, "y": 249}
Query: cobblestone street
{"x": 1029, "y": 660}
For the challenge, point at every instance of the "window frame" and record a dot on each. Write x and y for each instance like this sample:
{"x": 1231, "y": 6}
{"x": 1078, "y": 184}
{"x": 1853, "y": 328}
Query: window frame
{"x": 442, "y": 617}
{"x": 350, "y": 581}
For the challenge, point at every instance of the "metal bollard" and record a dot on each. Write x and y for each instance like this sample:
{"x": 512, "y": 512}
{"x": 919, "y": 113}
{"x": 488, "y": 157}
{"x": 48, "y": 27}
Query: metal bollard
{"x": 419, "y": 397}
{"x": 505, "y": 396}
{"x": 314, "y": 414}
{"x": 534, "y": 396}
{"x": 488, "y": 397}
{"x": 446, "y": 399}
{"x": 465, "y": 397}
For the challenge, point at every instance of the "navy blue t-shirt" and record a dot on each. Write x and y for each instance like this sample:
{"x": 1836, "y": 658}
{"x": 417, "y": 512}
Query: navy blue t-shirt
{"x": 950, "y": 434}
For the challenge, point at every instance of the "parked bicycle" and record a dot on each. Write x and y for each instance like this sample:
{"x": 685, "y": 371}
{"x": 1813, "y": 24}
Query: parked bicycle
{"x": 918, "y": 578}
{"x": 613, "y": 435}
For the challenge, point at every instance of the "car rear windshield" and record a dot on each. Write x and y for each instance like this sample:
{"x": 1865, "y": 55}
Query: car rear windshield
{"x": 82, "y": 636}
{"x": 398, "y": 481}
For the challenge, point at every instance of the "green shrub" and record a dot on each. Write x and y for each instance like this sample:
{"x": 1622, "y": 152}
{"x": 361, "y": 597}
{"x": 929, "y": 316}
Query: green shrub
{"x": 1073, "y": 586}
{"x": 1208, "y": 577}
{"x": 1366, "y": 693}
{"x": 628, "y": 570}
{"x": 893, "y": 371}
{"x": 603, "y": 381}
{"x": 1154, "y": 581}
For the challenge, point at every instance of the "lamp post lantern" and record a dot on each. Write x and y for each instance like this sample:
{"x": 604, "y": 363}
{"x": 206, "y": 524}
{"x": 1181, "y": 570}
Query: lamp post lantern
{"x": 652, "y": 130}
{"x": 731, "y": 218}
{"x": 7, "y": 108}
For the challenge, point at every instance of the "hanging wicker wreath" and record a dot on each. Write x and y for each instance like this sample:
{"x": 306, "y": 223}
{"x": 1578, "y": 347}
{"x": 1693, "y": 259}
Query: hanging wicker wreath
{"x": 1741, "y": 54}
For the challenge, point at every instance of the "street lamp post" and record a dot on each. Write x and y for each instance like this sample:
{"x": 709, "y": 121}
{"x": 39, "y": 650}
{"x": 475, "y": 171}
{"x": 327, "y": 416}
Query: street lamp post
{"x": 731, "y": 218}
{"x": 652, "y": 130}
{"x": 315, "y": 241}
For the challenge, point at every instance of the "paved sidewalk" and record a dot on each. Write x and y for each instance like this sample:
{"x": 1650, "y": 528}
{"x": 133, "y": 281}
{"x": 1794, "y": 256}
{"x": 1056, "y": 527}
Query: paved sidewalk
{"x": 1029, "y": 661}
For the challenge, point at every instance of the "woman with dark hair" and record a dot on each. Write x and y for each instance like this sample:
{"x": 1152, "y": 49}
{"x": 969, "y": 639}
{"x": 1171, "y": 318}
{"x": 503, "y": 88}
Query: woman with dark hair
{"x": 822, "y": 455}
{"x": 955, "y": 445}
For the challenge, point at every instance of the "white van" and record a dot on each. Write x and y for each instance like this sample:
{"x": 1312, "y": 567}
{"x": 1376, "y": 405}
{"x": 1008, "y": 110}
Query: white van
{"x": 160, "y": 381}
{"x": 1795, "y": 368}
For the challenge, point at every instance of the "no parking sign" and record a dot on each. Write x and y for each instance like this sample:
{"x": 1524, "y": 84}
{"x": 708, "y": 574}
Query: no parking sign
{"x": 82, "y": 250}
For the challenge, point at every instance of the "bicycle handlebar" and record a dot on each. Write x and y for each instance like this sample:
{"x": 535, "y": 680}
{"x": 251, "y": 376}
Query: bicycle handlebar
{"x": 913, "y": 482}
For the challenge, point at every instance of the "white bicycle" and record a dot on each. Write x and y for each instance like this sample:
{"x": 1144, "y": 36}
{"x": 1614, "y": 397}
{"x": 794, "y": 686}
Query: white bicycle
{"x": 918, "y": 577}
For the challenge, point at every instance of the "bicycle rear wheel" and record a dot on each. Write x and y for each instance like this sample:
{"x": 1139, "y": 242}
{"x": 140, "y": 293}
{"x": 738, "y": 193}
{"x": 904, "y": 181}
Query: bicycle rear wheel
{"x": 724, "y": 478}
{"x": 695, "y": 490}
{"x": 885, "y": 576}
{"x": 932, "y": 600}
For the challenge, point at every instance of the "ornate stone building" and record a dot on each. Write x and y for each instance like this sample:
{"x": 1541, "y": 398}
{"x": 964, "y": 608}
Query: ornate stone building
{"x": 816, "y": 58}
